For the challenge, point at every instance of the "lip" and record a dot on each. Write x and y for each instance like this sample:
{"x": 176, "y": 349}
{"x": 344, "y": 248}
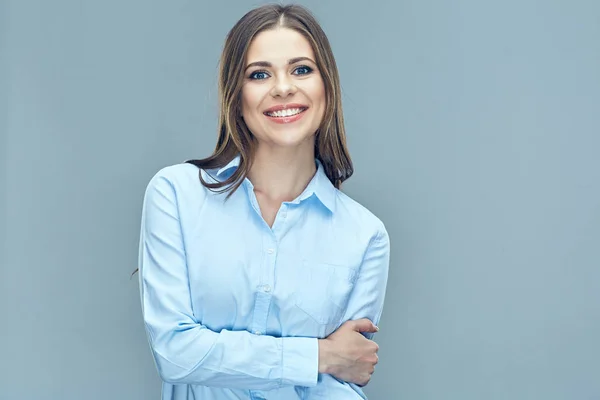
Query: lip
{"x": 285, "y": 107}
{"x": 286, "y": 120}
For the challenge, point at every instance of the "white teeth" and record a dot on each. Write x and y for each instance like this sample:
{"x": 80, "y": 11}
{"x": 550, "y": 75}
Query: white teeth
{"x": 285, "y": 113}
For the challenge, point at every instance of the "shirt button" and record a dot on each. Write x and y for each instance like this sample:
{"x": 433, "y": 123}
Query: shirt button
{"x": 270, "y": 251}
{"x": 258, "y": 333}
{"x": 267, "y": 288}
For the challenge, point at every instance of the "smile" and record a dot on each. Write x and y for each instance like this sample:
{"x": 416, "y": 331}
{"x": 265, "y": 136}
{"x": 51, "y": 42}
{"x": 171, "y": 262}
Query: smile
{"x": 286, "y": 115}
{"x": 290, "y": 112}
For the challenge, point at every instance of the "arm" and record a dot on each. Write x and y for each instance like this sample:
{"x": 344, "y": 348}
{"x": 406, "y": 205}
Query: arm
{"x": 367, "y": 297}
{"x": 366, "y": 301}
{"x": 184, "y": 350}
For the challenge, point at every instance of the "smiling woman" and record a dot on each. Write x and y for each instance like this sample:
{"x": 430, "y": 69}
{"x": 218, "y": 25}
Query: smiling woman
{"x": 259, "y": 278}
{"x": 288, "y": 72}
{"x": 269, "y": 50}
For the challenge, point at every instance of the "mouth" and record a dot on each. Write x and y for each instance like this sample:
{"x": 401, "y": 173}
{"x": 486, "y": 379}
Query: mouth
{"x": 286, "y": 112}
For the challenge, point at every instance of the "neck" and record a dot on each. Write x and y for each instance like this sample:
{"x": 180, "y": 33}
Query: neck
{"x": 282, "y": 175}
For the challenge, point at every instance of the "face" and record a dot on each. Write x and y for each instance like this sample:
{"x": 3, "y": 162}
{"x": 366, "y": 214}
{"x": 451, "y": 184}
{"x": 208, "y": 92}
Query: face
{"x": 283, "y": 96}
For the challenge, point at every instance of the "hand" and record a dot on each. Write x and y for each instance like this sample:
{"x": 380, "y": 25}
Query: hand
{"x": 347, "y": 354}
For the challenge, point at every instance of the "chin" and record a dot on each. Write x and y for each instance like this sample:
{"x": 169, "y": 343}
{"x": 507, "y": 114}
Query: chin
{"x": 292, "y": 140}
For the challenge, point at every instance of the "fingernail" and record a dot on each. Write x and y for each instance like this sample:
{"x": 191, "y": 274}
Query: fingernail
{"x": 376, "y": 328}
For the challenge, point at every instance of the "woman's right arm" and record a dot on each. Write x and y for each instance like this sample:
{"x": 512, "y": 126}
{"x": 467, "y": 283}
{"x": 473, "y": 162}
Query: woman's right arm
{"x": 184, "y": 350}
{"x": 347, "y": 354}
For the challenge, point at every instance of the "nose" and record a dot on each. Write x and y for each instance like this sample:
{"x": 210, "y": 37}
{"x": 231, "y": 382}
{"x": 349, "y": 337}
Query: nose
{"x": 283, "y": 87}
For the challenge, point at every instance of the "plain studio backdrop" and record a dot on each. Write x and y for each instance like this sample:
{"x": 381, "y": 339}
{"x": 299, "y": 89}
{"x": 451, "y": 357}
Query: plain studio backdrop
{"x": 475, "y": 131}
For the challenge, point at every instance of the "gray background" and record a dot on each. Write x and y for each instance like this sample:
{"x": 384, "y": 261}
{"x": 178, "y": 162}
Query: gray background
{"x": 475, "y": 132}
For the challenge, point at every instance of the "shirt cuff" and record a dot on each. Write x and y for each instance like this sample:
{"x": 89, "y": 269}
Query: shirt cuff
{"x": 300, "y": 361}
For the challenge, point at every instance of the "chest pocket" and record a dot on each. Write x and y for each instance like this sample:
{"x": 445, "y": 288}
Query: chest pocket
{"x": 323, "y": 290}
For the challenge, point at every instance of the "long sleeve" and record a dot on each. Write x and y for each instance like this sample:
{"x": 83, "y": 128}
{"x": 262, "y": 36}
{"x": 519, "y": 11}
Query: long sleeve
{"x": 366, "y": 301}
{"x": 184, "y": 350}
{"x": 367, "y": 297}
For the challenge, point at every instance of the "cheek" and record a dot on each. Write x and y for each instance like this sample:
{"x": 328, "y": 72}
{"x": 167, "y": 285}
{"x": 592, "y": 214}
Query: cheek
{"x": 245, "y": 103}
{"x": 318, "y": 93}
{"x": 319, "y": 97}
{"x": 250, "y": 99}
{"x": 322, "y": 105}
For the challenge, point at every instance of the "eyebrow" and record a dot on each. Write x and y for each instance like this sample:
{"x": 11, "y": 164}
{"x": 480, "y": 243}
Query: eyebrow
{"x": 266, "y": 64}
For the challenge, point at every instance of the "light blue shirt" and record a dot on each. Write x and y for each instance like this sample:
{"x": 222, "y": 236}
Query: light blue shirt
{"x": 233, "y": 308}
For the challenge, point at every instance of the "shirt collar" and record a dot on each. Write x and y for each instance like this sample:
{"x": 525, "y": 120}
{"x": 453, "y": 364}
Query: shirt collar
{"x": 319, "y": 186}
{"x": 224, "y": 172}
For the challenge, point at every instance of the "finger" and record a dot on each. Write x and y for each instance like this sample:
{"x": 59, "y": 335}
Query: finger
{"x": 365, "y": 381}
{"x": 360, "y": 324}
{"x": 375, "y": 346}
{"x": 365, "y": 325}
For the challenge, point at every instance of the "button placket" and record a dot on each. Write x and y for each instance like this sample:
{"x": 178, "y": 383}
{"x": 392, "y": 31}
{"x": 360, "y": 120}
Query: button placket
{"x": 283, "y": 211}
{"x": 264, "y": 288}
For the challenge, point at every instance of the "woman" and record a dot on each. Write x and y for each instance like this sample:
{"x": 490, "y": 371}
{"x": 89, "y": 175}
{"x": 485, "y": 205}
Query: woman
{"x": 260, "y": 279}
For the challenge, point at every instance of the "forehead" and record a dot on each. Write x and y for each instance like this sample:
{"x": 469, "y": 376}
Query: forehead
{"x": 279, "y": 45}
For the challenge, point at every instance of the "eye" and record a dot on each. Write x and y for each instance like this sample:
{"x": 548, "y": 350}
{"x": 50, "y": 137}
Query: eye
{"x": 303, "y": 70}
{"x": 259, "y": 75}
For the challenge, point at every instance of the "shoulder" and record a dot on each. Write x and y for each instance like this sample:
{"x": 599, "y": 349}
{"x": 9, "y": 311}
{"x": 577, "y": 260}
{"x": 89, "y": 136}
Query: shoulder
{"x": 176, "y": 174}
{"x": 178, "y": 181}
{"x": 360, "y": 217}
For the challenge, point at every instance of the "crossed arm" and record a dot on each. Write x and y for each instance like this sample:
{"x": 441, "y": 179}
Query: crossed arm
{"x": 185, "y": 351}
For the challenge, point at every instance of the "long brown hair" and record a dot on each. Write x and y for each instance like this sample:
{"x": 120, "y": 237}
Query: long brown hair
{"x": 234, "y": 136}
